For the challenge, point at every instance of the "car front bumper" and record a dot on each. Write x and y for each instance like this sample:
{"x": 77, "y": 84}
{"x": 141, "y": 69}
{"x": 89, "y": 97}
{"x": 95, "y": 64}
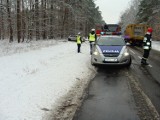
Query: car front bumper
{"x": 101, "y": 60}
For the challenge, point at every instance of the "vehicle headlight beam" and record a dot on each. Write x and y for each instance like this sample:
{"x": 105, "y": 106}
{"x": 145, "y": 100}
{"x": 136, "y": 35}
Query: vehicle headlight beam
{"x": 96, "y": 52}
{"x": 126, "y": 53}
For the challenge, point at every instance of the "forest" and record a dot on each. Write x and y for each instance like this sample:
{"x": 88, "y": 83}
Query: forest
{"x": 26, "y": 20}
{"x": 143, "y": 12}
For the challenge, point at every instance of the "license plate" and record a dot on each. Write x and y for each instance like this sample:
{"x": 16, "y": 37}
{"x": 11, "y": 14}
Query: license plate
{"x": 110, "y": 60}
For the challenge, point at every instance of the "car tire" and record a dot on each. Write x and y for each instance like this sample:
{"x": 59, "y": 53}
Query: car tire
{"x": 93, "y": 63}
{"x": 69, "y": 39}
{"x": 129, "y": 64}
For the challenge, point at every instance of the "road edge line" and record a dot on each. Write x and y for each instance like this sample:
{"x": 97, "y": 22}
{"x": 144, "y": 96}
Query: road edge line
{"x": 148, "y": 101}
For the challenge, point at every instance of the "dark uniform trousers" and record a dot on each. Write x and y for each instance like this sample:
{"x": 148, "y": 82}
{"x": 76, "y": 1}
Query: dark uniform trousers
{"x": 147, "y": 48}
{"x": 79, "y": 47}
{"x": 146, "y": 54}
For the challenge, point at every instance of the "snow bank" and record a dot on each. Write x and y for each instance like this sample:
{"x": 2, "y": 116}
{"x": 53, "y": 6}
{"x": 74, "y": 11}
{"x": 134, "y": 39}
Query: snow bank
{"x": 32, "y": 82}
{"x": 156, "y": 45}
{"x": 35, "y": 78}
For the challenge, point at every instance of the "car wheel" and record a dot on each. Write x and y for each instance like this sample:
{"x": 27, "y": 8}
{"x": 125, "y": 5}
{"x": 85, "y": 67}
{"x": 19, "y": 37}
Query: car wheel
{"x": 69, "y": 39}
{"x": 130, "y": 62}
{"x": 93, "y": 63}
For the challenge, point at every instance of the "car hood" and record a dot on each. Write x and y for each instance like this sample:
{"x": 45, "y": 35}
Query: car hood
{"x": 110, "y": 49}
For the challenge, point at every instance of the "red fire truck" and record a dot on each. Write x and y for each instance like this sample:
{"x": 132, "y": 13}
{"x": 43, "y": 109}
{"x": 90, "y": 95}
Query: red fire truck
{"x": 108, "y": 29}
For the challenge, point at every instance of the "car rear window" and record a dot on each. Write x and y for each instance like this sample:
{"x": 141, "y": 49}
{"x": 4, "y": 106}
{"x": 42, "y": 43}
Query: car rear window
{"x": 111, "y": 41}
{"x": 112, "y": 28}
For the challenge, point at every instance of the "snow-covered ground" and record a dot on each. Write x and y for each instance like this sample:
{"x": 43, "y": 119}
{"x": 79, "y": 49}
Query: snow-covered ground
{"x": 156, "y": 45}
{"x": 35, "y": 76}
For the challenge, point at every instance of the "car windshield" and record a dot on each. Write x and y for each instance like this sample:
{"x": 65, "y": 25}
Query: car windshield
{"x": 111, "y": 41}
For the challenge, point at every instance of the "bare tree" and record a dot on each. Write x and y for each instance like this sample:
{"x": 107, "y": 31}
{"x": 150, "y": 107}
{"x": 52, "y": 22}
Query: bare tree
{"x": 18, "y": 22}
{"x": 51, "y": 19}
{"x": 37, "y": 19}
{"x": 30, "y": 12}
{"x": 47, "y": 18}
{"x": 43, "y": 7}
{"x": 2, "y": 30}
{"x": 23, "y": 21}
{"x": 9, "y": 21}
{"x": 129, "y": 16}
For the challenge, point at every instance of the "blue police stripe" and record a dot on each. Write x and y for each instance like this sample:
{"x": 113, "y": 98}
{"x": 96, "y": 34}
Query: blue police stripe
{"x": 111, "y": 49}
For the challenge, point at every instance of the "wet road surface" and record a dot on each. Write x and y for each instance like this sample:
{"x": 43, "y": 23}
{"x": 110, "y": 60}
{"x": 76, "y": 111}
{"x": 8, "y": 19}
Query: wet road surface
{"x": 118, "y": 93}
{"x": 109, "y": 97}
{"x": 148, "y": 76}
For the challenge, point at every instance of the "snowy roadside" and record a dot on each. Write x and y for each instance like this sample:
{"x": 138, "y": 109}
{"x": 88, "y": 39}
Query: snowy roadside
{"x": 35, "y": 80}
{"x": 14, "y": 47}
{"x": 42, "y": 79}
{"x": 156, "y": 45}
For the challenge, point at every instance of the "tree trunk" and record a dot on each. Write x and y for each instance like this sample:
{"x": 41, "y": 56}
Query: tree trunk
{"x": 18, "y": 22}
{"x": 9, "y": 21}
{"x": 2, "y": 30}
{"x": 51, "y": 20}
{"x": 30, "y": 22}
{"x": 37, "y": 19}
{"x": 44, "y": 36}
{"x": 23, "y": 21}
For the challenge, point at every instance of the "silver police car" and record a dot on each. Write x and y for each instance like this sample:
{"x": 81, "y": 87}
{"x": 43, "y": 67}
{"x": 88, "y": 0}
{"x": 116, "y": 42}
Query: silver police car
{"x": 110, "y": 50}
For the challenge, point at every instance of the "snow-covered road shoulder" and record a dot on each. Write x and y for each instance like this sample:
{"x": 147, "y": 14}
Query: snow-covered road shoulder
{"x": 156, "y": 45}
{"x": 33, "y": 83}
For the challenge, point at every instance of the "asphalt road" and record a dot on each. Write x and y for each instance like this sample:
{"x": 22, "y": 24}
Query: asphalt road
{"x": 148, "y": 76}
{"x": 118, "y": 93}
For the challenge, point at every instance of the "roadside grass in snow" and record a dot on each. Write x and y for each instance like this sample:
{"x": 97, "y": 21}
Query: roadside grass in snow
{"x": 14, "y": 47}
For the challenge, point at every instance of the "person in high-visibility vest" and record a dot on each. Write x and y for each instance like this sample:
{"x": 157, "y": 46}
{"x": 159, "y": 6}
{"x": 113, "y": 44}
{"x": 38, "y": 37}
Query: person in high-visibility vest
{"x": 92, "y": 37}
{"x": 79, "y": 42}
{"x": 147, "y": 44}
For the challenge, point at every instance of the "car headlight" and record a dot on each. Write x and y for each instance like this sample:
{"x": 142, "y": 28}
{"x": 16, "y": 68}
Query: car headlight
{"x": 126, "y": 53}
{"x": 96, "y": 52}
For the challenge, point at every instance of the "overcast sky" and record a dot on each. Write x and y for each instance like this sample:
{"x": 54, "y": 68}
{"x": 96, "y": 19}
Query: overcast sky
{"x": 112, "y": 9}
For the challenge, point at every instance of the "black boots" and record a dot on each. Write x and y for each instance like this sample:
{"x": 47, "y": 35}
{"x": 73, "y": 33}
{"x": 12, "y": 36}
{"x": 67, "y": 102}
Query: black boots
{"x": 144, "y": 62}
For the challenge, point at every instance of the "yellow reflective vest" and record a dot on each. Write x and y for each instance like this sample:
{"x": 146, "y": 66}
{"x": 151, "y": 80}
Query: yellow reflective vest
{"x": 92, "y": 37}
{"x": 79, "y": 39}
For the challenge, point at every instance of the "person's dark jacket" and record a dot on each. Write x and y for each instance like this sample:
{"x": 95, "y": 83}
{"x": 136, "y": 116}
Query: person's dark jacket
{"x": 147, "y": 42}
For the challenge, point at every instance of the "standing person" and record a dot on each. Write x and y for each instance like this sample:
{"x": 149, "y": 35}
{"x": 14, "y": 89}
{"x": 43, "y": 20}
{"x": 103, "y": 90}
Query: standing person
{"x": 92, "y": 37}
{"x": 79, "y": 42}
{"x": 147, "y": 42}
{"x": 106, "y": 27}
